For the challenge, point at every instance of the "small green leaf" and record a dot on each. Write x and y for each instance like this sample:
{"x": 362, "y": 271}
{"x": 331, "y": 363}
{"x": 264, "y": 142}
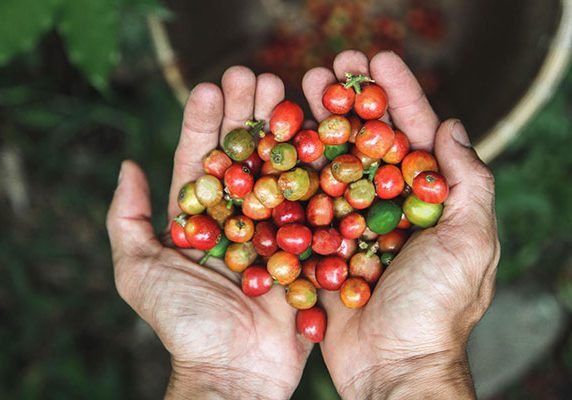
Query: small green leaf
{"x": 22, "y": 23}
{"x": 90, "y": 29}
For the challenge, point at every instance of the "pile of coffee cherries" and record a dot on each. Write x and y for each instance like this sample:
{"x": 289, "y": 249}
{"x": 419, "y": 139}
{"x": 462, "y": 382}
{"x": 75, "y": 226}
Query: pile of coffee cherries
{"x": 306, "y": 209}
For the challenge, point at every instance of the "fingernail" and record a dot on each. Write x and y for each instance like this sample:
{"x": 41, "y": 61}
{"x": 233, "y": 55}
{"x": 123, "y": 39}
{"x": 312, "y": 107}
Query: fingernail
{"x": 460, "y": 135}
{"x": 120, "y": 174}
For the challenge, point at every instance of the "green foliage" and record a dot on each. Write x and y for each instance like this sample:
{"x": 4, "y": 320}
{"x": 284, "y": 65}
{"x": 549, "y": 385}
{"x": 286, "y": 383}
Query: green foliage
{"x": 316, "y": 383}
{"x": 565, "y": 297}
{"x": 22, "y": 23}
{"x": 534, "y": 194}
{"x": 90, "y": 29}
{"x": 65, "y": 332}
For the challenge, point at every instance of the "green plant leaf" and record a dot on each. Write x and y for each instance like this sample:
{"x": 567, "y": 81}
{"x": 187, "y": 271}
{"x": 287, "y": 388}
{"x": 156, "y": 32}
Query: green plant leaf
{"x": 22, "y": 23}
{"x": 90, "y": 29}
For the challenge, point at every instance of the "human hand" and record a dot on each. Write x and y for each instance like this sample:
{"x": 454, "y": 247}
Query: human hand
{"x": 409, "y": 340}
{"x": 222, "y": 343}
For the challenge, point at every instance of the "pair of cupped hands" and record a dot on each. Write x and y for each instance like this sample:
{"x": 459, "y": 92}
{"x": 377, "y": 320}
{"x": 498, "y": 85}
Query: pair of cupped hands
{"x": 409, "y": 341}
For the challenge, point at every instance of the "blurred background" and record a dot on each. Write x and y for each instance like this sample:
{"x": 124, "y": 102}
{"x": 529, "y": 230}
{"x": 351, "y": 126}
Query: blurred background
{"x": 85, "y": 84}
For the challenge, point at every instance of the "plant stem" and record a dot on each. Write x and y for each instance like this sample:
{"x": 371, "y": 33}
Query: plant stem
{"x": 355, "y": 81}
{"x": 256, "y": 127}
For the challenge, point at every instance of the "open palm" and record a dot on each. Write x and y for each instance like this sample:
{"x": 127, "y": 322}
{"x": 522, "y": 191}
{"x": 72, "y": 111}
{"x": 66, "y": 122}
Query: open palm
{"x": 442, "y": 281}
{"x": 221, "y": 341}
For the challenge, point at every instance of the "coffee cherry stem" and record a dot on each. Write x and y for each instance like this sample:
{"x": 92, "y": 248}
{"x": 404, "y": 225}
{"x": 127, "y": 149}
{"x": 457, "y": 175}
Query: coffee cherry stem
{"x": 371, "y": 171}
{"x": 180, "y": 219}
{"x": 276, "y": 157}
{"x": 355, "y": 81}
{"x": 372, "y": 249}
{"x": 256, "y": 127}
{"x": 204, "y": 258}
{"x": 230, "y": 201}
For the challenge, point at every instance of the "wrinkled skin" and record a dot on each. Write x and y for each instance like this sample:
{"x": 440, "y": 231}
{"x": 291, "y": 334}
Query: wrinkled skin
{"x": 213, "y": 331}
{"x": 413, "y": 332}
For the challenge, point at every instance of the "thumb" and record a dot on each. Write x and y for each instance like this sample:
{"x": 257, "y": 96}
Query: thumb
{"x": 128, "y": 219}
{"x": 471, "y": 183}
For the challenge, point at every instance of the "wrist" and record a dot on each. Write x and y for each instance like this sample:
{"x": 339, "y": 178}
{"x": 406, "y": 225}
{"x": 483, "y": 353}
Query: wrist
{"x": 433, "y": 376}
{"x": 213, "y": 382}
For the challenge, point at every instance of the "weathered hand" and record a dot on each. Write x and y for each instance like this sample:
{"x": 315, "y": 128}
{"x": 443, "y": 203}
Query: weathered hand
{"x": 409, "y": 340}
{"x": 222, "y": 342}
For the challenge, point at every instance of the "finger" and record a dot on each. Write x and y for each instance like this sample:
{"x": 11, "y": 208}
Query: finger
{"x": 409, "y": 108}
{"x": 239, "y": 87}
{"x": 199, "y": 135}
{"x": 471, "y": 197}
{"x": 356, "y": 63}
{"x": 129, "y": 216}
{"x": 338, "y": 314}
{"x": 283, "y": 312}
{"x": 314, "y": 84}
{"x": 350, "y": 61}
{"x": 269, "y": 92}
